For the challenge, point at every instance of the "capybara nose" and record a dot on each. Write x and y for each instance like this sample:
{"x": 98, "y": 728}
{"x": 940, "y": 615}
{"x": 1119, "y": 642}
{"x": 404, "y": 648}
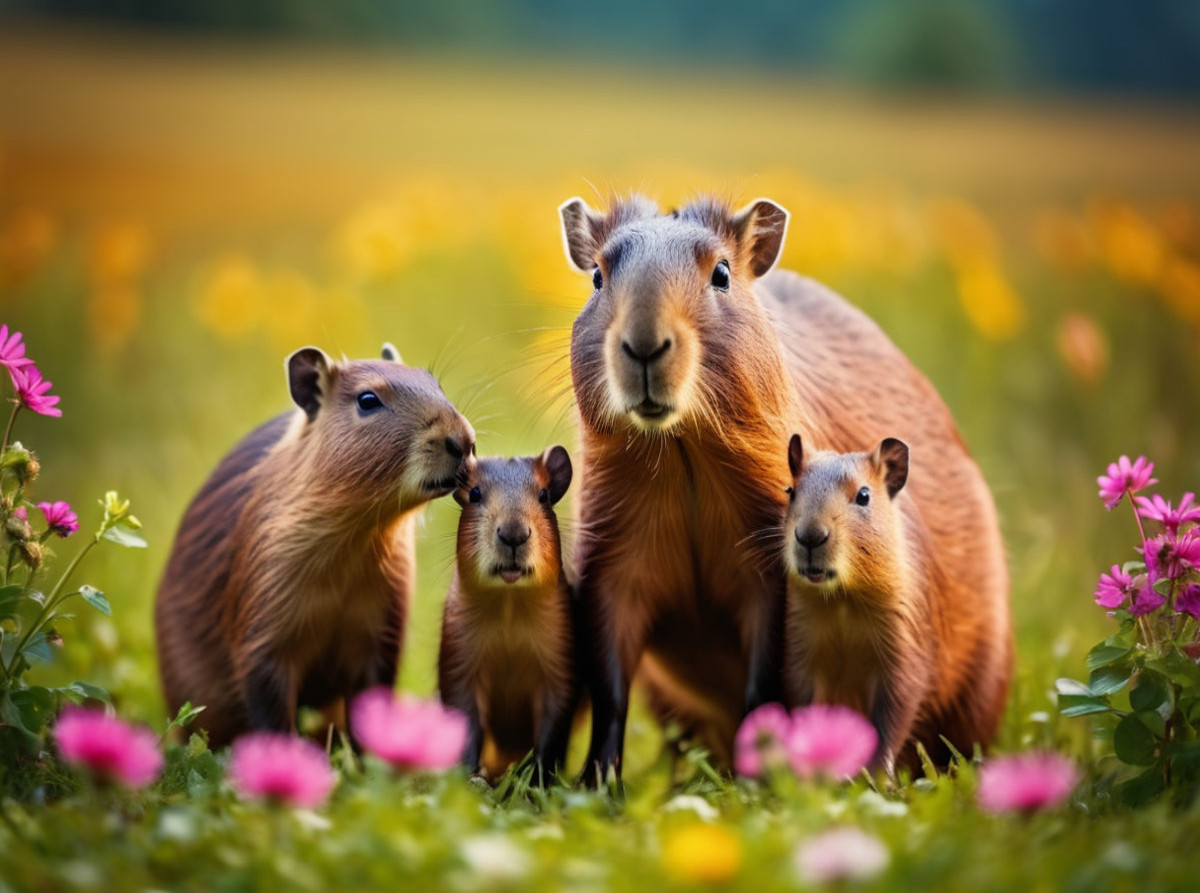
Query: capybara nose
{"x": 513, "y": 537}
{"x": 645, "y": 351}
{"x": 812, "y": 537}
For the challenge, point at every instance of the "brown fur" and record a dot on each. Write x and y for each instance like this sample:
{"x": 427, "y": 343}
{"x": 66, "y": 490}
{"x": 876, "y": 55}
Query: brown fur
{"x": 507, "y": 659}
{"x": 866, "y": 612}
{"x": 292, "y": 569}
{"x": 679, "y": 548}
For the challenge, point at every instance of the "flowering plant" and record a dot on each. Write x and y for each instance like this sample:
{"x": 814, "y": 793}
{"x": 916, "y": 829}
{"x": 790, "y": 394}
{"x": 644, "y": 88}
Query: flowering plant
{"x": 1152, "y": 657}
{"x": 31, "y": 598}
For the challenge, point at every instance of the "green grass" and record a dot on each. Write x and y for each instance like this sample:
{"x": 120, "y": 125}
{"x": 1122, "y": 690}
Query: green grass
{"x": 294, "y": 161}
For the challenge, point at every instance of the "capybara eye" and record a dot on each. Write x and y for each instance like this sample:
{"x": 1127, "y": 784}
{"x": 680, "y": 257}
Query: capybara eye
{"x": 368, "y": 401}
{"x": 544, "y": 496}
{"x": 790, "y": 491}
{"x": 863, "y": 497}
{"x": 475, "y": 495}
{"x": 720, "y": 276}
{"x": 597, "y": 279}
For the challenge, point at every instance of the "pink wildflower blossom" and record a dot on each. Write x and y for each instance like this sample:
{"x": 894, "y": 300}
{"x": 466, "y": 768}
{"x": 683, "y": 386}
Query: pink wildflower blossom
{"x": 1146, "y": 599}
{"x": 12, "y": 351}
{"x": 1169, "y": 558}
{"x": 1155, "y": 508}
{"x": 407, "y": 732}
{"x": 113, "y": 750}
{"x": 761, "y": 741}
{"x": 830, "y": 740}
{"x": 1125, "y": 477}
{"x": 60, "y": 518}
{"x": 1026, "y": 782}
{"x": 32, "y": 391}
{"x": 280, "y": 767}
{"x": 841, "y": 854}
{"x": 21, "y": 512}
{"x": 1187, "y": 600}
{"x": 1113, "y": 588}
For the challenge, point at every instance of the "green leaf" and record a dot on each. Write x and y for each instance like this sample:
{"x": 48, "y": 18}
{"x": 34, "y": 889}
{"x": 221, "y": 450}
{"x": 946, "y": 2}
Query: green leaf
{"x": 96, "y": 599}
{"x": 185, "y": 715}
{"x": 1107, "y": 652}
{"x": 1149, "y": 694}
{"x": 1133, "y": 743}
{"x": 37, "y": 649}
{"x": 1065, "y": 686}
{"x": 1082, "y": 705}
{"x": 1141, "y": 789}
{"x": 35, "y": 704}
{"x": 84, "y": 691}
{"x": 10, "y": 598}
{"x": 1153, "y": 721}
{"x": 9, "y": 714}
{"x": 123, "y": 536}
{"x": 1177, "y": 667}
{"x": 1110, "y": 679}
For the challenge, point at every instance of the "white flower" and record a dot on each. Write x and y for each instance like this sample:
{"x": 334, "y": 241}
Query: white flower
{"x": 841, "y": 853}
{"x": 495, "y": 857}
{"x": 701, "y": 807}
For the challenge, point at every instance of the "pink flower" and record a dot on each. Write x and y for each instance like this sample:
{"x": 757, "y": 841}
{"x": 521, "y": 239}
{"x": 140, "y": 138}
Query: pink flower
{"x": 841, "y": 854}
{"x": 407, "y": 732}
{"x": 1169, "y": 558}
{"x": 280, "y": 767}
{"x": 113, "y": 750}
{"x": 60, "y": 518}
{"x": 1155, "y": 508}
{"x": 12, "y": 351}
{"x": 761, "y": 741}
{"x": 1146, "y": 599}
{"x": 1113, "y": 588}
{"x": 830, "y": 740}
{"x": 31, "y": 391}
{"x": 21, "y": 512}
{"x": 1187, "y": 600}
{"x": 1026, "y": 782}
{"x": 1125, "y": 477}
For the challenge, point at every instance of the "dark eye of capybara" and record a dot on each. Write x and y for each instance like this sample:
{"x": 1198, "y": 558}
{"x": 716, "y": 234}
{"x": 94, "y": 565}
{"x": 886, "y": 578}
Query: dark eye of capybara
{"x": 863, "y": 497}
{"x": 720, "y": 276}
{"x": 597, "y": 279}
{"x": 368, "y": 401}
{"x": 791, "y": 492}
{"x": 544, "y": 496}
{"x": 475, "y": 495}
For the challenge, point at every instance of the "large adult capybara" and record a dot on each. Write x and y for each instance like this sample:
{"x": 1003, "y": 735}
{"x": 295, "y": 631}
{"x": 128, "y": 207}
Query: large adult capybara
{"x": 693, "y": 363}
{"x": 291, "y": 574}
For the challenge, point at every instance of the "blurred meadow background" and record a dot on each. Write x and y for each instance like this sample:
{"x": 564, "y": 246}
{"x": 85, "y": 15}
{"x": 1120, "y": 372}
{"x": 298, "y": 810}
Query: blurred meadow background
{"x": 189, "y": 191}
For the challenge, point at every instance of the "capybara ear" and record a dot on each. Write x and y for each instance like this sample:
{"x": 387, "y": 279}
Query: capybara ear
{"x": 390, "y": 353}
{"x": 307, "y": 371}
{"x": 581, "y": 233}
{"x": 795, "y": 455}
{"x": 892, "y": 457}
{"x": 761, "y": 227}
{"x": 557, "y": 463}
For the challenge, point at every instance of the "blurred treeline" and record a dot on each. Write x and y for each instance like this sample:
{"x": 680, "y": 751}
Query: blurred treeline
{"x": 1147, "y": 46}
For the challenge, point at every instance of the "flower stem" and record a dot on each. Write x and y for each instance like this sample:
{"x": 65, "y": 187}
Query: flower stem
{"x": 52, "y": 602}
{"x": 8, "y": 430}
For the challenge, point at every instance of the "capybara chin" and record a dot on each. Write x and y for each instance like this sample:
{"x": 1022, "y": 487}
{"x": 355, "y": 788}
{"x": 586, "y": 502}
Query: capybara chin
{"x": 693, "y": 362}
{"x": 291, "y": 573}
{"x": 507, "y": 657}
{"x": 868, "y": 621}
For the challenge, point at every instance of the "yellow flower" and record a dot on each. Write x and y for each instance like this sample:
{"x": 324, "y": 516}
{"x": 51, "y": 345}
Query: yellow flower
{"x": 1129, "y": 244}
{"x": 703, "y": 853}
{"x": 994, "y": 309}
{"x": 1180, "y": 288}
{"x": 118, "y": 253}
{"x": 230, "y": 298}
{"x": 962, "y": 232}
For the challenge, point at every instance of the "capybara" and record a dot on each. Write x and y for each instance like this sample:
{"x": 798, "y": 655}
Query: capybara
{"x": 291, "y": 573}
{"x": 692, "y": 363}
